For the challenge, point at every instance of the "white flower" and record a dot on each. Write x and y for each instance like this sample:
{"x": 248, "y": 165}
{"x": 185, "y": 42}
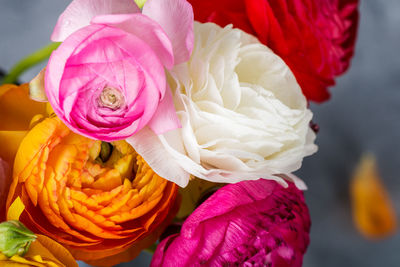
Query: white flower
{"x": 243, "y": 114}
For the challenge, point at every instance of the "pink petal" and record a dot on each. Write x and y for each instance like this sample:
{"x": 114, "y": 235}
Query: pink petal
{"x": 149, "y": 98}
{"x": 80, "y": 12}
{"x": 57, "y": 61}
{"x": 144, "y": 28}
{"x": 176, "y": 18}
{"x": 161, "y": 249}
{"x": 165, "y": 118}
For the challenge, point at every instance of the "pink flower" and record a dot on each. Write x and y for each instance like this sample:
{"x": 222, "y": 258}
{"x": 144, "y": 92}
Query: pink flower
{"x": 251, "y": 223}
{"x": 107, "y": 80}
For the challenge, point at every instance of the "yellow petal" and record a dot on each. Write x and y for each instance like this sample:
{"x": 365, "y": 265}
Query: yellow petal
{"x": 15, "y": 210}
{"x": 373, "y": 212}
{"x": 59, "y": 252}
{"x": 20, "y": 261}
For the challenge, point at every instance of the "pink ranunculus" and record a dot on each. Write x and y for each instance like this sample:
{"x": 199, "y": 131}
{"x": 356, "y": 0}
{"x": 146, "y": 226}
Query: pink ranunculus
{"x": 251, "y": 223}
{"x": 107, "y": 80}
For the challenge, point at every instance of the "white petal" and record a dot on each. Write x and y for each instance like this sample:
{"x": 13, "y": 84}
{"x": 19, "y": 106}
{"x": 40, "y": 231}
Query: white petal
{"x": 148, "y": 145}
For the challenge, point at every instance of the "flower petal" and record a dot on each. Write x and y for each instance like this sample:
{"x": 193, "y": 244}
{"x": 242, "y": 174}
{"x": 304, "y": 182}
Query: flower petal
{"x": 148, "y": 145}
{"x": 16, "y": 109}
{"x": 58, "y": 252}
{"x": 165, "y": 118}
{"x": 5, "y": 180}
{"x": 373, "y": 211}
{"x": 176, "y": 18}
{"x": 10, "y": 141}
{"x": 80, "y": 12}
{"x": 144, "y": 28}
{"x": 96, "y": 209}
{"x": 36, "y": 87}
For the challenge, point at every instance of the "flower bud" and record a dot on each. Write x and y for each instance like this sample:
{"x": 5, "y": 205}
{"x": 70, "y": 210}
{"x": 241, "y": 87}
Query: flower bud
{"x": 15, "y": 238}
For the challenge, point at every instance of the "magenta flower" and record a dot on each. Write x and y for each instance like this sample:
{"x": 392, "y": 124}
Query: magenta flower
{"x": 251, "y": 223}
{"x": 107, "y": 80}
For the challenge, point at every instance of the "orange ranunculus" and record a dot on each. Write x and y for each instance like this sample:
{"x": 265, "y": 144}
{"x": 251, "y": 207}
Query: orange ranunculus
{"x": 16, "y": 113}
{"x": 101, "y": 201}
{"x": 43, "y": 252}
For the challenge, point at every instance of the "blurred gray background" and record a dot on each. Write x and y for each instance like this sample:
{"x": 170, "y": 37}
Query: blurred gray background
{"x": 362, "y": 115}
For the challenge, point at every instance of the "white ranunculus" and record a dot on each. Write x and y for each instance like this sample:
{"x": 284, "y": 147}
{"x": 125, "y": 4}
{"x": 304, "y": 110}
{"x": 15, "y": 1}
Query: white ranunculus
{"x": 243, "y": 114}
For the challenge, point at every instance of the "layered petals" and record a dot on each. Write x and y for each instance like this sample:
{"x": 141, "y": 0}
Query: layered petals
{"x": 16, "y": 113}
{"x": 93, "y": 95}
{"x": 43, "y": 252}
{"x": 242, "y": 112}
{"x": 80, "y": 12}
{"x": 107, "y": 81}
{"x": 99, "y": 200}
{"x": 176, "y": 17}
{"x": 251, "y": 223}
{"x": 315, "y": 38}
{"x": 146, "y": 29}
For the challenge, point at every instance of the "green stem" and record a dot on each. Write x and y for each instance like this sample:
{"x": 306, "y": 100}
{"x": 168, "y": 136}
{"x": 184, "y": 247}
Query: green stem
{"x": 28, "y": 62}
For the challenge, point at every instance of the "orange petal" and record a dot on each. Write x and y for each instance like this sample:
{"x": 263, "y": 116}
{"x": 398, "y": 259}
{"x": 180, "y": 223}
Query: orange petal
{"x": 58, "y": 251}
{"x": 10, "y": 141}
{"x": 16, "y": 108}
{"x": 134, "y": 250}
{"x": 95, "y": 209}
{"x": 373, "y": 212}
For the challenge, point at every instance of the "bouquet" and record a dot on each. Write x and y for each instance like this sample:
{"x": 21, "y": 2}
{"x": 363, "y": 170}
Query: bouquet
{"x": 172, "y": 126}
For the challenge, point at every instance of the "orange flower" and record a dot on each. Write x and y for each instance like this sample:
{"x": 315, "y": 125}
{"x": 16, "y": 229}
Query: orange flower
{"x": 43, "y": 252}
{"x": 101, "y": 201}
{"x": 16, "y": 113}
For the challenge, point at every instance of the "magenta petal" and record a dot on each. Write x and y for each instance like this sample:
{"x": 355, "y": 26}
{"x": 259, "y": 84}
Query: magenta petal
{"x": 250, "y": 223}
{"x": 145, "y": 29}
{"x": 165, "y": 118}
{"x": 80, "y": 12}
{"x": 176, "y": 18}
{"x": 161, "y": 248}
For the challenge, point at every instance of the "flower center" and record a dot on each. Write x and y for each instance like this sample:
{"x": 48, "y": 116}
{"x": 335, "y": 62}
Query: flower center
{"x": 111, "y": 98}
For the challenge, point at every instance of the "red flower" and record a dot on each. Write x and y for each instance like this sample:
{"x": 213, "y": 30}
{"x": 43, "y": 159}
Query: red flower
{"x": 315, "y": 38}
